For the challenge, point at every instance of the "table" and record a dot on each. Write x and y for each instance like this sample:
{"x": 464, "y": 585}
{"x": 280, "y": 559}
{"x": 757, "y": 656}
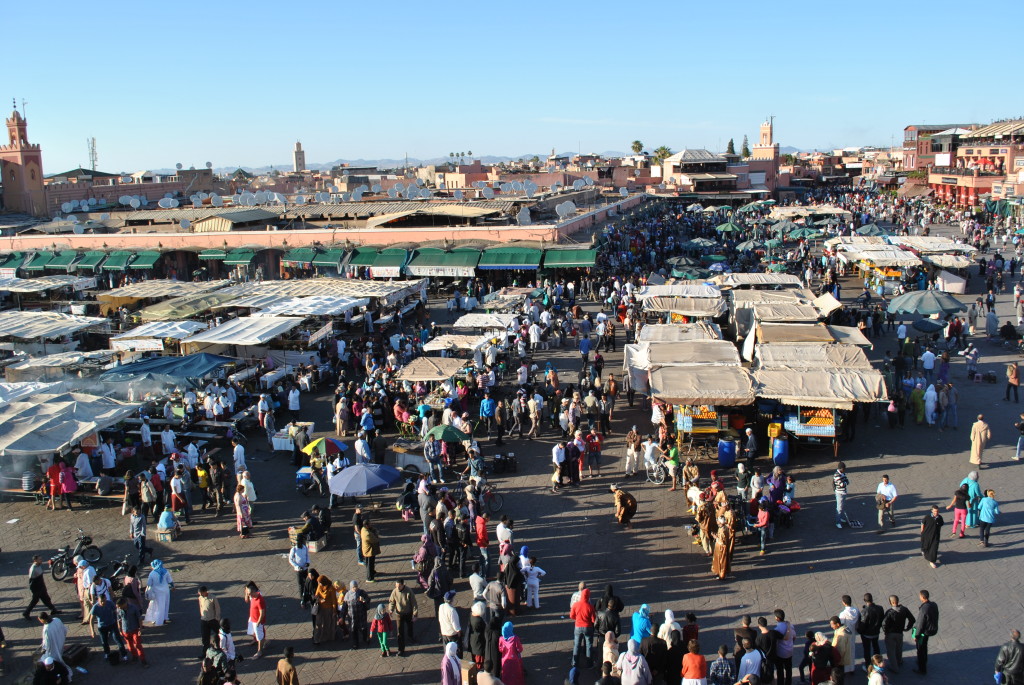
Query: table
{"x": 283, "y": 442}
{"x": 267, "y": 380}
{"x": 244, "y": 374}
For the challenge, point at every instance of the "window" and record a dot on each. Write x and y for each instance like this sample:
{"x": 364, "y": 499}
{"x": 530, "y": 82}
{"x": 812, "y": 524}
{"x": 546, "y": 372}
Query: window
{"x": 994, "y": 152}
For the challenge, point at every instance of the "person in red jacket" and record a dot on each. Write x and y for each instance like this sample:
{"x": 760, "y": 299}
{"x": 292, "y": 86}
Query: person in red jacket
{"x": 481, "y": 543}
{"x": 582, "y": 612}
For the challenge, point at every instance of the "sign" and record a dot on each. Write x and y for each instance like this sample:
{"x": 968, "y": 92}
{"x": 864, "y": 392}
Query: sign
{"x": 949, "y": 180}
{"x": 327, "y": 330}
{"x": 442, "y": 271}
{"x": 1018, "y": 163}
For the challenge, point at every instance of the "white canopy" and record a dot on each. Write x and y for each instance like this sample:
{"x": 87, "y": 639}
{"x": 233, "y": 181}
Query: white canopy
{"x": 245, "y": 330}
{"x": 811, "y": 355}
{"x": 785, "y": 312}
{"x": 678, "y": 290}
{"x": 63, "y": 360}
{"x": 858, "y": 240}
{"x": 430, "y": 369}
{"x": 177, "y": 330}
{"x": 931, "y": 244}
{"x": 721, "y": 385}
{"x": 826, "y": 303}
{"x": 949, "y": 261}
{"x": 739, "y": 280}
{"x": 849, "y": 335}
{"x": 322, "y": 305}
{"x": 459, "y": 342}
{"x": 680, "y": 332}
{"x": 748, "y": 298}
{"x": 44, "y": 283}
{"x": 485, "y": 320}
{"x": 892, "y": 257}
{"x": 386, "y": 292}
{"x": 33, "y": 325}
{"x": 160, "y": 288}
{"x": 687, "y": 306}
{"x": 12, "y": 391}
{"x": 645, "y": 355}
{"x": 46, "y": 423}
{"x": 837, "y": 388}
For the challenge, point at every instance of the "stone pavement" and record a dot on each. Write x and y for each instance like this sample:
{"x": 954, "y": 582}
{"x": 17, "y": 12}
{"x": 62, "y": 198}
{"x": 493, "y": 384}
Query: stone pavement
{"x": 574, "y": 537}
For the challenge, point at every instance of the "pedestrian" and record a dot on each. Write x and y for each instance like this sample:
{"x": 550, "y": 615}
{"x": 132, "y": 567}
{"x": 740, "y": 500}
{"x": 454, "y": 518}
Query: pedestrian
{"x": 695, "y": 666}
{"x": 158, "y": 590}
{"x": 885, "y": 500}
{"x": 625, "y": 506}
{"x": 840, "y": 485}
{"x": 129, "y": 621}
{"x": 959, "y": 505}
{"x": 1013, "y": 381}
{"x": 980, "y": 435}
{"x": 784, "y": 648}
{"x": 243, "y": 513}
{"x": 325, "y": 611}
{"x": 896, "y": 621}
{"x": 357, "y": 604}
{"x": 55, "y": 633}
{"x": 137, "y": 533}
{"x": 842, "y": 641}
{"x": 869, "y": 627}
{"x": 763, "y": 519}
{"x": 511, "y": 649}
{"x": 381, "y": 627}
{"x": 37, "y": 586}
{"x": 533, "y": 573}
{"x": 583, "y": 616}
{"x": 105, "y": 614}
{"x": 973, "y": 498}
{"x": 1019, "y": 425}
{"x": 257, "y": 626}
{"x": 371, "y": 548}
{"x": 927, "y": 626}
{"x": 988, "y": 512}
{"x": 448, "y": 621}
{"x": 633, "y": 666}
{"x": 1010, "y": 660}
{"x": 402, "y": 603}
{"x": 286, "y": 673}
{"x": 451, "y": 668}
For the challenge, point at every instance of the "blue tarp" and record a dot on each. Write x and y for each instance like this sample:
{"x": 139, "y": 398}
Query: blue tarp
{"x": 170, "y": 370}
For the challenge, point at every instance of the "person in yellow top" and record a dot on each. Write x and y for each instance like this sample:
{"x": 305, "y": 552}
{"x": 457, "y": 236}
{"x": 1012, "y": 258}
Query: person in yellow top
{"x": 325, "y": 619}
{"x": 286, "y": 673}
{"x": 843, "y": 642}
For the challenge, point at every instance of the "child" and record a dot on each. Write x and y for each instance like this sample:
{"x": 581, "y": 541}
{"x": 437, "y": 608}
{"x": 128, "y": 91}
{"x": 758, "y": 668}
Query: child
{"x": 789, "y": 491}
{"x": 533, "y": 575}
{"x": 721, "y": 671}
{"x": 556, "y": 479}
{"x": 381, "y": 625}
{"x": 690, "y": 630}
{"x": 805, "y": 662}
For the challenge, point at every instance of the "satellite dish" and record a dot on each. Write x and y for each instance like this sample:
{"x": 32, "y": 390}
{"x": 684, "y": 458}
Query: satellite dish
{"x": 281, "y": 198}
{"x": 209, "y": 165}
{"x": 126, "y": 179}
{"x": 143, "y": 200}
{"x": 376, "y": 187}
{"x": 458, "y": 195}
{"x": 174, "y": 203}
{"x": 426, "y": 194}
{"x": 588, "y": 181}
{"x": 217, "y": 201}
{"x": 124, "y": 200}
{"x": 578, "y": 184}
{"x": 92, "y": 201}
{"x": 623, "y": 192}
{"x": 235, "y": 199}
{"x": 362, "y": 189}
{"x": 334, "y": 189}
{"x": 165, "y": 203}
{"x": 392, "y": 193}
{"x": 555, "y": 187}
{"x": 66, "y": 207}
{"x": 249, "y": 200}
{"x": 104, "y": 216}
{"x": 78, "y": 229}
{"x": 524, "y": 217}
{"x": 419, "y": 182}
{"x": 185, "y": 223}
{"x": 301, "y": 199}
{"x": 197, "y": 203}
{"x": 346, "y": 197}
{"x": 345, "y": 173}
{"x": 72, "y": 218}
{"x": 357, "y": 195}
{"x": 399, "y": 186}
{"x": 489, "y": 193}
{"x": 178, "y": 166}
{"x": 136, "y": 203}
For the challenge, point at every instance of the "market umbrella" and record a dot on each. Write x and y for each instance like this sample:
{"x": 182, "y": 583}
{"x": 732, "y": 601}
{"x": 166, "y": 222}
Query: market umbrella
{"x": 712, "y": 258}
{"x": 784, "y": 226}
{"x": 773, "y": 242}
{"x": 728, "y": 227}
{"x": 808, "y": 233}
{"x": 928, "y": 325}
{"x": 691, "y": 273}
{"x": 767, "y": 202}
{"x": 325, "y": 446}
{"x": 446, "y": 433}
{"x": 926, "y": 303}
{"x": 826, "y": 222}
{"x": 701, "y": 242}
{"x": 710, "y": 209}
{"x": 750, "y": 245}
{"x": 695, "y": 207}
{"x": 871, "y": 229}
{"x": 682, "y": 261}
{"x": 362, "y": 479}
{"x": 717, "y": 266}
{"x": 776, "y": 266}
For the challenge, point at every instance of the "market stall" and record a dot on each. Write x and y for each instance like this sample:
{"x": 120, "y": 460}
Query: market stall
{"x": 155, "y": 336}
{"x": 450, "y": 342}
{"x": 60, "y": 366}
{"x": 44, "y": 332}
{"x": 684, "y": 309}
{"x": 490, "y": 321}
{"x": 153, "y": 290}
{"x": 680, "y": 332}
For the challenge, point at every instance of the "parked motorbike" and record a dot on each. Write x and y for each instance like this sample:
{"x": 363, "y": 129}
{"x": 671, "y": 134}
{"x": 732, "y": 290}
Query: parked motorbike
{"x": 116, "y": 571}
{"x": 62, "y": 563}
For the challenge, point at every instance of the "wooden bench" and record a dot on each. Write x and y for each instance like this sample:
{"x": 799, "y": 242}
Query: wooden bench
{"x": 94, "y": 499}
{"x": 17, "y": 493}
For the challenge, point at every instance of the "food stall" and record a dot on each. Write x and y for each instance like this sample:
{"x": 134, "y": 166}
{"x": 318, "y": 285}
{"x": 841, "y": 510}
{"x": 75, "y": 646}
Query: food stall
{"x": 437, "y": 373}
{"x": 679, "y": 332}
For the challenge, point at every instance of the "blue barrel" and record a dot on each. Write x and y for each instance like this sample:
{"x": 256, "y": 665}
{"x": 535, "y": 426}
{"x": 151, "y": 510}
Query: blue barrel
{"x": 726, "y": 452}
{"x": 780, "y": 451}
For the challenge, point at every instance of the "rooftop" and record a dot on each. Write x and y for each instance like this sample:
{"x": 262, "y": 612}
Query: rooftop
{"x": 1014, "y": 127}
{"x": 695, "y": 155}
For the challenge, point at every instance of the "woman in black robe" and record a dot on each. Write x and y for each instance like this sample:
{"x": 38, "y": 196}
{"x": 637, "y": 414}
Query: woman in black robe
{"x": 491, "y": 652}
{"x": 609, "y": 594}
{"x": 931, "y": 531}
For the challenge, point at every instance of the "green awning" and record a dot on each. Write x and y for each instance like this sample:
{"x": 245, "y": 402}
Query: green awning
{"x": 90, "y": 260}
{"x": 300, "y": 257}
{"x": 239, "y": 257}
{"x": 145, "y": 259}
{"x": 433, "y": 261}
{"x": 362, "y": 257}
{"x": 117, "y": 261}
{"x": 38, "y": 261}
{"x": 62, "y": 260}
{"x": 12, "y": 261}
{"x": 507, "y": 258}
{"x": 389, "y": 263}
{"x": 330, "y": 257}
{"x": 575, "y": 257}
{"x": 212, "y": 254}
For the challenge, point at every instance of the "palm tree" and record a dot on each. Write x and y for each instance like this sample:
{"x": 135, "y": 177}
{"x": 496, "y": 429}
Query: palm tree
{"x": 451, "y": 160}
{"x": 662, "y": 153}
{"x": 470, "y": 154}
{"x": 637, "y": 147}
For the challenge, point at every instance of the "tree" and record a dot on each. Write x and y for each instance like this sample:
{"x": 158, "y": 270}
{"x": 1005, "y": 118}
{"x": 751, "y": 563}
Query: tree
{"x": 535, "y": 159}
{"x": 788, "y": 159}
{"x": 470, "y": 154}
{"x": 746, "y": 147}
{"x": 730, "y": 149}
{"x": 637, "y": 147}
{"x": 662, "y": 153}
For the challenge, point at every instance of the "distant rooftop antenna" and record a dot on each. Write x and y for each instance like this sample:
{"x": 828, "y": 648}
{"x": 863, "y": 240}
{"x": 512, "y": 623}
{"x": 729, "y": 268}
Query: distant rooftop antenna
{"x": 91, "y": 144}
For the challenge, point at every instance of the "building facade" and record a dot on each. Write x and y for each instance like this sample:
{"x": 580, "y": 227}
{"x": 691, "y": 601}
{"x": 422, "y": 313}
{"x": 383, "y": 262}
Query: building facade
{"x": 21, "y": 167}
{"x": 988, "y": 163}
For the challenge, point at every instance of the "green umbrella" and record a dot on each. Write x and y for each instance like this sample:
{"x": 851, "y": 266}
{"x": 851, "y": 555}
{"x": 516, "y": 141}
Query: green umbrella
{"x": 690, "y": 272}
{"x": 728, "y": 227}
{"x": 682, "y": 261}
{"x": 767, "y": 202}
{"x": 712, "y": 258}
{"x": 925, "y": 303}
{"x": 700, "y": 242}
{"x": 871, "y": 229}
{"x": 784, "y": 226}
{"x": 776, "y": 266}
{"x": 750, "y": 245}
{"x": 774, "y": 242}
{"x": 446, "y": 433}
{"x": 808, "y": 233}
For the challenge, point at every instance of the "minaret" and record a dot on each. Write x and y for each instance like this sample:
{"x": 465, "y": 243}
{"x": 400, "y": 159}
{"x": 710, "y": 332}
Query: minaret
{"x": 21, "y": 164}
{"x": 298, "y": 158}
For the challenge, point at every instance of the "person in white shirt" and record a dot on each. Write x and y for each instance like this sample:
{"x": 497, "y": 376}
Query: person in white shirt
{"x": 928, "y": 364}
{"x": 168, "y": 411}
{"x": 167, "y": 440}
{"x": 849, "y": 617}
{"x": 208, "y": 406}
{"x": 230, "y": 398}
{"x": 239, "y": 456}
{"x": 558, "y": 460}
{"x": 189, "y": 397}
{"x": 298, "y": 557}
{"x": 448, "y": 620}
{"x": 901, "y": 333}
{"x": 888, "y": 491}
{"x": 503, "y": 531}
{"x": 83, "y": 468}
{"x": 293, "y": 400}
{"x": 362, "y": 449}
{"x": 534, "y": 337}
{"x": 147, "y": 438}
{"x": 523, "y": 375}
{"x": 533, "y": 574}
{"x": 108, "y": 455}
{"x": 192, "y": 454}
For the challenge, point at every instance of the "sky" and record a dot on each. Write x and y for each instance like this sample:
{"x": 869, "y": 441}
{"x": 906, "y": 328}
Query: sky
{"x": 237, "y": 84}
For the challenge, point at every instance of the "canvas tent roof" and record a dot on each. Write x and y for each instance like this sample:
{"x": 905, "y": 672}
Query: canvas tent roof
{"x": 837, "y": 388}
{"x": 826, "y": 303}
{"x": 680, "y": 332}
{"x": 160, "y": 288}
{"x": 245, "y": 330}
{"x": 678, "y": 290}
{"x": 12, "y": 391}
{"x": 33, "y": 325}
{"x": 748, "y": 298}
{"x": 720, "y": 385}
{"x": 708, "y": 352}
{"x": 793, "y": 333}
{"x": 183, "y": 307}
{"x": 430, "y": 369}
{"x": 490, "y": 320}
{"x": 170, "y": 370}
{"x": 687, "y": 306}
{"x": 931, "y": 244}
{"x": 178, "y": 330}
{"x": 739, "y": 280}
{"x": 849, "y": 335}
{"x": 63, "y": 360}
{"x": 387, "y": 291}
{"x": 460, "y": 342}
{"x": 949, "y": 261}
{"x": 785, "y": 312}
{"x": 323, "y": 305}
{"x": 46, "y": 424}
{"x": 811, "y": 355}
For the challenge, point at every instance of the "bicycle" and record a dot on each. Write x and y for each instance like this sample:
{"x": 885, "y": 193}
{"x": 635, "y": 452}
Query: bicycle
{"x": 492, "y": 500}
{"x": 656, "y": 472}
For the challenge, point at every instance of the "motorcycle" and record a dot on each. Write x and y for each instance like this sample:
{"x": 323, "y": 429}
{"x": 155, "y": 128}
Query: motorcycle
{"x": 62, "y": 563}
{"x": 116, "y": 571}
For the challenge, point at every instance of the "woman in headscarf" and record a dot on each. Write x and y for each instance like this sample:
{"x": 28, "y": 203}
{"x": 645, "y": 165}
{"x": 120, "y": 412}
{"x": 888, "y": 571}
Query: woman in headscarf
{"x": 478, "y": 633}
{"x": 610, "y": 648}
{"x": 931, "y": 401}
{"x": 514, "y": 582}
{"x": 451, "y": 669}
{"x": 668, "y": 626}
{"x": 326, "y": 617}
{"x": 243, "y": 514}
{"x": 424, "y": 560}
{"x": 158, "y": 590}
{"x": 917, "y": 403}
{"x": 511, "y": 649}
{"x": 973, "y": 498}
{"x": 524, "y": 556}
{"x": 440, "y": 583}
{"x": 721, "y": 562}
{"x": 641, "y": 624}
{"x": 381, "y": 627}
{"x": 674, "y": 658}
{"x": 633, "y": 666}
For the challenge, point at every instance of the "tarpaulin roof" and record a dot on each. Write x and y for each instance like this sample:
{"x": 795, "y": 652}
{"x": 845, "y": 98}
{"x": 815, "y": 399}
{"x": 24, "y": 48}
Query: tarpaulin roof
{"x": 32, "y": 325}
{"x": 183, "y": 307}
{"x": 645, "y": 355}
{"x": 811, "y": 355}
{"x": 160, "y": 288}
{"x": 323, "y": 305}
{"x": 680, "y": 332}
{"x": 719, "y": 385}
{"x": 748, "y": 298}
{"x": 46, "y": 424}
{"x": 459, "y": 342}
{"x": 118, "y": 261}
{"x": 44, "y": 283}
{"x": 687, "y": 306}
{"x": 299, "y": 256}
{"x": 239, "y": 257}
{"x": 478, "y": 320}
{"x": 12, "y": 391}
{"x": 145, "y": 259}
{"x": 430, "y": 369}
{"x": 245, "y": 330}
{"x": 949, "y": 261}
{"x": 571, "y": 257}
{"x": 793, "y": 333}
{"x": 849, "y": 335}
{"x": 837, "y": 388}
{"x": 177, "y": 330}
{"x": 362, "y": 257}
{"x": 931, "y": 244}
{"x": 388, "y": 291}
{"x": 38, "y": 262}
{"x": 678, "y": 290}
{"x": 826, "y": 303}
{"x": 167, "y": 369}
{"x": 63, "y": 360}
{"x": 739, "y": 280}
{"x": 854, "y": 240}
{"x": 785, "y": 312}
{"x": 892, "y": 257}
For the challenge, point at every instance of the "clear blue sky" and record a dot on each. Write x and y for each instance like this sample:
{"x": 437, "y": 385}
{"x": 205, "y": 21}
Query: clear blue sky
{"x": 158, "y": 83}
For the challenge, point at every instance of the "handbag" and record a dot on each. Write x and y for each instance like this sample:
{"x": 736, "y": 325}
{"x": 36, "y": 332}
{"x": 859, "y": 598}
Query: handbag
{"x": 314, "y": 609}
{"x": 124, "y": 507}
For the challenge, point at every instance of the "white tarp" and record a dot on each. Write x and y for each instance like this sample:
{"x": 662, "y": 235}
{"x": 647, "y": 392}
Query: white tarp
{"x": 44, "y": 283}
{"x": 949, "y": 282}
{"x": 748, "y": 298}
{"x": 160, "y": 288}
{"x": 858, "y": 240}
{"x": 687, "y": 306}
{"x": 323, "y": 305}
{"x": 430, "y": 369}
{"x": 811, "y": 355}
{"x": 894, "y": 257}
{"x": 720, "y": 385}
{"x": 785, "y": 312}
{"x": 680, "y": 332}
{"x": 644, "y": 355}
{"x": 931, "y": 244}
{"x": 12, "y": 391}
{"x": 459, "y": 342}
{"x": 488, "y": 320}
{"x": 385, "y": 292}
{"x": 949, "y": 261}
{"x": 48, "y": 423}
{"x": 33, "y": 325}
{"x": 678, "y": 290}
{"x": 837, "y": 388}
{"x": 826, "y": 304}
{"x": 64, "y": 360}
{"x": 849, "y": 335}
{"x": 740, "y": 280}
{"x": 245, "y": 330}
{"x": 177, "y": 330}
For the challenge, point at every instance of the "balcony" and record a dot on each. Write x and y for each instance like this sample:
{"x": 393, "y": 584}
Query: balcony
{"x": 960, "y": 171}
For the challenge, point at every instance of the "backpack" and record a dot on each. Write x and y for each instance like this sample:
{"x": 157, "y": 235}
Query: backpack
{"x": 765, "y": 670}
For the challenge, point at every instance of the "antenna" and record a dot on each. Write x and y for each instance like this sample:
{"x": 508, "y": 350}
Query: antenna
{"x": 91, "y": 145}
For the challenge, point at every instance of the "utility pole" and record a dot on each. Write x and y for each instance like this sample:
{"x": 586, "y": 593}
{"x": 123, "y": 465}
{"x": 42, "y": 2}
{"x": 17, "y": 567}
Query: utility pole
{"x": 91, "y": 145}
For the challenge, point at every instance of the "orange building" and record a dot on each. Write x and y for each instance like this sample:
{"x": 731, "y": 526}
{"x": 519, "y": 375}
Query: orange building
{"x": 987, "y": 158}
